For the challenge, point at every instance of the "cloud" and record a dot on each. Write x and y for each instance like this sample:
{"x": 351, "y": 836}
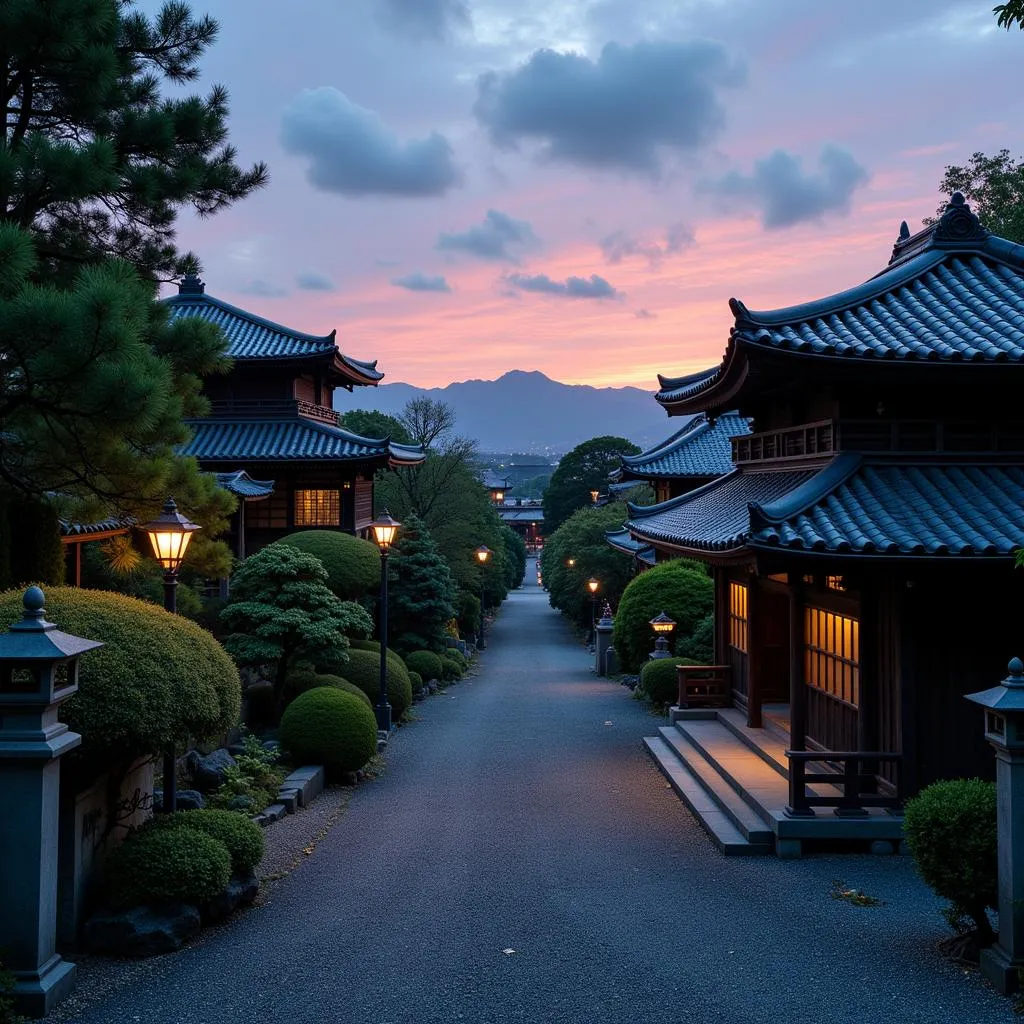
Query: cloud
{"x": 785, "y": 195}
{"x": 264, "y": 289}
{"x": 678, "y": 237}
{"x": 594, "y": 287}
{"x": 420, "y": 282}
{"x": 311, "y": 281}
{"x": 434, "y": 19}
{"x": 645, "y": 314}
{"x": 621, "y": 112}
{"x": 351, "y": 151}
{"x": 491, "y": 239}
{"x": 620, "y": 245}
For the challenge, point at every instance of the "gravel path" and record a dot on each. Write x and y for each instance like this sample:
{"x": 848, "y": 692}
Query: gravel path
{"x": 520, "y": 859}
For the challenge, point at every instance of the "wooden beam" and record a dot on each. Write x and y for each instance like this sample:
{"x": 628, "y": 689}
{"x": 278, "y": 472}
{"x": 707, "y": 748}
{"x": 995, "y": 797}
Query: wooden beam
{"x": 755, "y": 643}
{"x": 797, "y": 683}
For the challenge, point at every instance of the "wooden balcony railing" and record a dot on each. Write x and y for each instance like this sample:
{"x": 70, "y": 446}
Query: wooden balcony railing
{"x": 705, "y": 686}
{"x": 272, "y": 408}
{"x": 790, "y": 444}
{"x": 857, "y": 783}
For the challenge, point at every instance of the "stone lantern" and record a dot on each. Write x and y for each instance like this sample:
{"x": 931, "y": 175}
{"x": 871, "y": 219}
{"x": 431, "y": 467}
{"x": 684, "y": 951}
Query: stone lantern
{"x": 1004, "y": 729}
{"x": 603, "y": 639}
{"x": 38, "y": 672}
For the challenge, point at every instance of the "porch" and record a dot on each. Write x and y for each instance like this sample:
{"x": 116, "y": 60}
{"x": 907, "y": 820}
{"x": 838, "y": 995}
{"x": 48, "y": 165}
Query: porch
{"x": 753, "y": 795}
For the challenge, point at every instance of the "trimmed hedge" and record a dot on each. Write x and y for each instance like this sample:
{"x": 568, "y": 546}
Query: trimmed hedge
{"x": 659, "y": 679}
{"x": 158, "y": 679}
{"x": 330, "y": 727}
{"x": 352, "y": 564}
{"x": 363, "y": 669}
{"x": 451, "y": 669}
{"x": 679, "y": 589}
{"x": 416, "y": 680}
{"x": 427, "y": 663}
{"x": 177, "y": 864}
{"x": 374, "y": 645}
{"x": 301, "y": 680}
{"x": 242, "y": 837}
{"x": 951, "y": 831}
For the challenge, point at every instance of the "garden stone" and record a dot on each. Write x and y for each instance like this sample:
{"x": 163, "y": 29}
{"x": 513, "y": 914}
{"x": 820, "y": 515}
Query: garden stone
{"x": 240, "y": 803}
{"x": 208, "y": 772}
{"x": 275, "y": 812}
{"x": 190, "y": 800}
{"x": 141, "y": 931}
{"x": 241, "y": 890}
{"x": 271, "y": 745}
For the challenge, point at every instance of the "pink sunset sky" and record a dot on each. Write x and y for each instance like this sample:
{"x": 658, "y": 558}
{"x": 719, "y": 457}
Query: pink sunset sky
{"x": 465, "y": 187}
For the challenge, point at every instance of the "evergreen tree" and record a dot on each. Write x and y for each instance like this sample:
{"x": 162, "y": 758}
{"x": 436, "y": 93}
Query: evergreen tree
{"x": 370, "y": 423}
{"x": 421, "y": 599}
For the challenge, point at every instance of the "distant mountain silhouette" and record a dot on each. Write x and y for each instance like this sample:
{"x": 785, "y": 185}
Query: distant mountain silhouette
{"x": 526, "y": 411}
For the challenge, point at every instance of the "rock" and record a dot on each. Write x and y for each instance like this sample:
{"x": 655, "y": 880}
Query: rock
{"x": 432, "y": 686}
{"x": 275, "y": 812}
{"x": 141, "y": 931}
{"x": 240, "y": 892}
{"x": 208, "y": 772}
{"x": 271, "y": 745}
{"x": 190, "y": 800}
{"x": 241, "y": 803}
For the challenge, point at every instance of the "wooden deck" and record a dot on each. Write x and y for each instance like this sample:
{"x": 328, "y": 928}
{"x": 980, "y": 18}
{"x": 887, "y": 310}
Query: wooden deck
{"x": 735, "y": 780}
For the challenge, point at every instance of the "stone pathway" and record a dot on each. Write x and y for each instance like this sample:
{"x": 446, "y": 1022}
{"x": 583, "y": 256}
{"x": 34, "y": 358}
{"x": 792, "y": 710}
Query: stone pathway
{"x": 520, "y": 859}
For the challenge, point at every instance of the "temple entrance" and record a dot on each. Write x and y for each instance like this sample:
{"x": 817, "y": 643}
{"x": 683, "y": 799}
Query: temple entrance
{"x": 769, "y": 658}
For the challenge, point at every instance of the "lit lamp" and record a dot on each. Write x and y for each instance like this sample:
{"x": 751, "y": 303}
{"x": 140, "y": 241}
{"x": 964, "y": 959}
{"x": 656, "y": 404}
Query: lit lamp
{"x": 593, "y": 586}
{"x": 594, "y": 495}
{"x": 571, "y": 563}
{"x": 662, "y": 626}
{"x": 169, "y": 535}
{"x": 482, "y": 554}
{"x": 384, "y": 531}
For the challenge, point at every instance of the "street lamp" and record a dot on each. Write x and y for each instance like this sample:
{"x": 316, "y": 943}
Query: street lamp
{"x": 594, "y": 495}
{"x": 593, "y": 585}
{"x": 384, "y": 530}
{"x": 482, "y": 554}
{"x": 662, "y": 626}
{"x": 169, "y": 535}
{"x": 571, "y": 563}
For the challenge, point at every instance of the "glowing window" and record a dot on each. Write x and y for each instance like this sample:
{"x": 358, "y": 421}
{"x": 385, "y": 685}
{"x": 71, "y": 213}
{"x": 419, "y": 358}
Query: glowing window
{"x": 738, "y": 616}
{"x": 835, "y": 583}
{"x": 317, "y": 508}
{"x": 832, "y": 654}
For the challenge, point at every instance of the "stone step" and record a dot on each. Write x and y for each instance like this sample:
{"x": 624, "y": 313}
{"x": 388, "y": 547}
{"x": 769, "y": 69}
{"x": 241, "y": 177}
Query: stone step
{"x": 766, "y": 742}
{"x": 718, "y": 825}
{"x": 753, "y": 828}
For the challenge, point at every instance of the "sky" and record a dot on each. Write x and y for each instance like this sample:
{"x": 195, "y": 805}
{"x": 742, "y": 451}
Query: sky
{"x": 465, "y": 187}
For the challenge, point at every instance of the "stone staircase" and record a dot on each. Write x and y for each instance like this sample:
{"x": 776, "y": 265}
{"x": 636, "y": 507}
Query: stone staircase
{"x": 735, "y": 780}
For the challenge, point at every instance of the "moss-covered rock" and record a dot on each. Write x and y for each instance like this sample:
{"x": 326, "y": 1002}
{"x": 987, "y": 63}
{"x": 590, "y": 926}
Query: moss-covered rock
{"x": 330, "y": 727}
{"x": 363, "y": 669}
{"x": 352, "y": 564}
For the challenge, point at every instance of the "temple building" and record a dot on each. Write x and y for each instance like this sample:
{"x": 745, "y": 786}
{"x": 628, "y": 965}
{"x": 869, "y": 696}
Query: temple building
{"x": 862, "y": 545}
{"x": 272, "y": 434}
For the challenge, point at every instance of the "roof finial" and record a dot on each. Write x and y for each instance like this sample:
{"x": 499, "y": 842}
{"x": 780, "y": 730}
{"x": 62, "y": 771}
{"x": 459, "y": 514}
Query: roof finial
{"x": 190, "y": 284}
{"x": 957, "y": 199}
{"x": 958, "y": 225}
{"x": 904, "y": 231}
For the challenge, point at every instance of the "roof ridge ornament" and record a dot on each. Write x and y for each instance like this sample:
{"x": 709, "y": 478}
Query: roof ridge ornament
{"x": 191, "y": 284}
{"x": 904, "y": 231}
{"x": 959, "y": 223}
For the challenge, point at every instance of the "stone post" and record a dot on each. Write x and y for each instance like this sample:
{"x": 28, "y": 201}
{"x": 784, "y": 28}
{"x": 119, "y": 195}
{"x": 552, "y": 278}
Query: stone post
{"x": 38, "y": 672}
{"x": 603, "y": 631}
{"x": 1004, "y": 729}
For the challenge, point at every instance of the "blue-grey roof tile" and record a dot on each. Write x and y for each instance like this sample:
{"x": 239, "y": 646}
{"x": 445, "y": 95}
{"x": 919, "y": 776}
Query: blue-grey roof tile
{"x": 240, "y": 483}
{"x": 622, "y": 540}
{"x": 699, "y": 449}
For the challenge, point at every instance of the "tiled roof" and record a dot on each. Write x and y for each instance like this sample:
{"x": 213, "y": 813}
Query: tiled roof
{"x": 493, "y": 482}
{"x": 239, "y": 482}
{"x": 120, "y": 524}
{"x": 952, "y": 293}
{"x": 855, "y": 506}
{"x": 521, "y": 515}
{"x": 622, "y": 540}
{"x": 272, "y": 440}
{"x": 701, "y": 448}
{"x": 714, "y": 517}
{"x": 252, "y": 337}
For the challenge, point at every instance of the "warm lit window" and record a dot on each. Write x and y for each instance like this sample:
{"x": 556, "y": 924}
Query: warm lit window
{"x": 835, "y": 583}
{"x": 317, "y": 508}
{"x": 779, "y": 577}
{"x": 738, "y": 616}
{"x": 832, "y": 654}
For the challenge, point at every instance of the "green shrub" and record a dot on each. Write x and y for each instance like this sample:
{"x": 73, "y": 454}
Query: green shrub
{"x": 300, "y": 680}
{"x": 416, "y": 680}
{"x": 467, "y": 612}
{"x": 683, "y": 592}
{"x": 699, "y": 646}
{"x": 951, "y": 831}
{"x": 427, "y": 663}
{"x": 451, "y": 669}
{"x": 352, "y": 564}
{"x": 178, "y": 864}
{"x": 659, "y": 680}
{"x": 363, "y": 669}
{"x": 158, "y": 679}
{"x": 374, "y": 645}
{"x": 242, "y": 837}
{"x": 330, "y": 727}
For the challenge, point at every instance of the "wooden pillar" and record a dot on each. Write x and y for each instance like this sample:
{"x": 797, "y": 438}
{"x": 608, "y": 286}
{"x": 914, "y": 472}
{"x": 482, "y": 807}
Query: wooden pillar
{"x": 78, "y": 564}
{"x": 241, "y": 529}
{"x": 868, "y": 698}
{"x": 797, "y": 683}
{"x": 909, "y": 631}
{"x": 721, "y": 577}
{"x": 755, "y": 663}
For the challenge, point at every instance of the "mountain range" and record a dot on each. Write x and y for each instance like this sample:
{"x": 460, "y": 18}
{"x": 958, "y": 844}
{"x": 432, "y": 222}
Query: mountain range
{"x": 526, "y": 411}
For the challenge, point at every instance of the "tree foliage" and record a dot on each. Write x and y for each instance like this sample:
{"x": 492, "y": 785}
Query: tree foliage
{"x": 352, "y": 564}
{"x": 994, "y": 186}
{"x": 1009, "y": 14}
{"x": 281, "y": 609}
{"x": 581, "y": 471}
{"x": 370, "y": 423}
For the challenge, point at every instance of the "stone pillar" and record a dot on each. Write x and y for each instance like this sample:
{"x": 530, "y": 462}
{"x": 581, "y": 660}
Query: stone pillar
{"x": 603, "y": 629}
{"x": 1004, "y": 729}
{"x": 38, "y": 672}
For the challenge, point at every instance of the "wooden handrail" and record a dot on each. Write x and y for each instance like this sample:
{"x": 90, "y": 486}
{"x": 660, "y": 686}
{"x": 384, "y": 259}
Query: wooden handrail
{"x": 704, "y": 685}
{"x": 859, "y": 789}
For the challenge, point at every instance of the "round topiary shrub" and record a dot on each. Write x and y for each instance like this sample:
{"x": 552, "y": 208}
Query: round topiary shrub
{"x": 363, "y": 669}
{"x": 374, "y": 645}
{"x": 427, "y": 663}
{"x": 330, "y": 727}
{"x": 177, "y": 864}
{"x": 352, "y": 564}
{"x": 158, "y": 679}
{"x": 677, "y": 588}
{"x": 951, "y": 831}
{"x": 451, "y": 669}
{"x": 659, "y": 680}
{"x": 303, "y": 679}
{"x": 242, "y": 837}
{"x": 416, "y": 680}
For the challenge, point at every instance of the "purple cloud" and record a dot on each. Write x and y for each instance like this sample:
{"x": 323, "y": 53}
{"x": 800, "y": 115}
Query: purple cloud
{"x": 420, "y": 282}
{"x": 492, "y": 239}
{"x": 594, "y": 287}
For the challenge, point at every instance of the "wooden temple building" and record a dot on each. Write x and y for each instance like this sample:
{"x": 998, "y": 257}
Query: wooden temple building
{"x": 862, "y": 545}
{"x": 272, "y": 436}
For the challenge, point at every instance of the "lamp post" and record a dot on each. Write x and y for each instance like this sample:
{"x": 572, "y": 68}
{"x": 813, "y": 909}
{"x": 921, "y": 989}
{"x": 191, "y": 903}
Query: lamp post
{"x": 593, "y": 586}
{"x": 384, "y": 531}
{"x": 662, "y": 626}
{"x": 482, "y": 554}
{"x": 170, "y": 534}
